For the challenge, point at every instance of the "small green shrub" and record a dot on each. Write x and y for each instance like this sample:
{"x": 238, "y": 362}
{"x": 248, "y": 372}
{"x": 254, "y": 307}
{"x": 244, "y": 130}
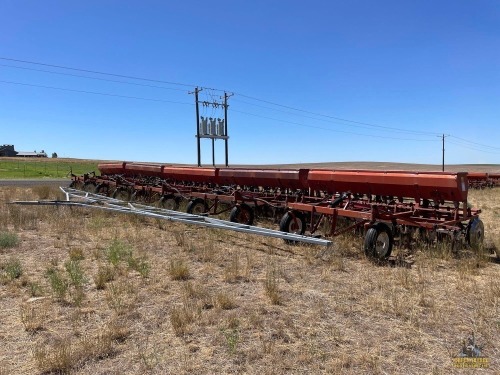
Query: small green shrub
{"x": 34, "y": 289}
{"x": 140, "y": 265}
{"x": 118, "y": 252}
{"x": 8, "y": 239}
{"x": 12, "y": 269}
{"x": 77, "y": 280}
{"x": 58, "y": 282}
{"x": 232, "y": 338}
{"x": 75, "y": 273}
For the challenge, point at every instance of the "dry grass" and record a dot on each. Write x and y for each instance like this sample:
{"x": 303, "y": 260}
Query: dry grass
{"x": 87, "y": 292}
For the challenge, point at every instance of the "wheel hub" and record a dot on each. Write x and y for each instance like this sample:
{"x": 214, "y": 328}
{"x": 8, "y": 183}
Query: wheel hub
{"x": 382, "y": 244}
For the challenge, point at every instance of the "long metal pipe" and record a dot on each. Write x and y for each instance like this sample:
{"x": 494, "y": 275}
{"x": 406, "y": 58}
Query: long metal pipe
{"x": 88, "y": 200}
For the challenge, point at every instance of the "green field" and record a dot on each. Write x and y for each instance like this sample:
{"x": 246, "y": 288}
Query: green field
{"x": 44, "y": 168}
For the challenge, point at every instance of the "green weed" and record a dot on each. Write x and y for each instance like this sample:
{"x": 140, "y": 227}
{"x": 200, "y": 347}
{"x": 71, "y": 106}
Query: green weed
{"x": 8, "y": 240}
{"x": 232, "y": 334}
{"x": 75, "y": 273}
{"x": 140, "y": 265}
{"x": 58, "y": 283}
{"x": 35, "y": 289}
{"x": 118, "y": 252}
{"x": 11, "y": 270}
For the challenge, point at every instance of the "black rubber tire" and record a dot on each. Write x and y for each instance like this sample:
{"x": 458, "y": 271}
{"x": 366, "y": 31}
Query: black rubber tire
{"x": 293, "y": 223}
{"x": 169, "y": 202}
{"x": 102, "y": 189}
{"x": 243, "y": 214}
{"x": 137, "y": 196}
{"x": 78, "y": 185}
{"x": 197, "y": 206}
{"x": 90, "y": 187}
{"x": 379, "y": 241}
{"x": 475, "y": 233}
{"x": 122, "y": 194}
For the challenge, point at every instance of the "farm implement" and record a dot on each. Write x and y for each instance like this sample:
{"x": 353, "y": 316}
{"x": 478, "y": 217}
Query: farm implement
{"x": 480, "y": 180}
{"x": 389, "y": 204}
{"x": 382, "y": 205}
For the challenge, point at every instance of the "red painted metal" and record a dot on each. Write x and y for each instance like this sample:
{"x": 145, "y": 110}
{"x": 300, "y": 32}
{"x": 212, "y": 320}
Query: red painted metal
{"x": 495, "y": 178}
{"x": 481, "y": 180}
{"x": 142, "y": 169}
{"x": 267, "y": 178}
{"x": 111, "y": 168}
{"x": 187, "y": 174}
{"x": 417, "y": 185}
{"x": 477, "y": 176}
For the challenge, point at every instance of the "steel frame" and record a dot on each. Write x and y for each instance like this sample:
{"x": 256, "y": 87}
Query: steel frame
{"x": 228, "y": 196}
{"x": 84, "y": 199}
{"x": 386, "y": 201}
{"x": 365, "y": 213}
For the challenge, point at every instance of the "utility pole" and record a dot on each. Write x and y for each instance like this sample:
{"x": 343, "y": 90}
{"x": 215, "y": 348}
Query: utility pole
{"x": 196, "y": 91}
{"x": 211, "y": 128}
{"x": 443, "y": 136}
{"x": 213, "y": 152}
{"x": 443, "y": 154}
{"x": 225, "y": 127}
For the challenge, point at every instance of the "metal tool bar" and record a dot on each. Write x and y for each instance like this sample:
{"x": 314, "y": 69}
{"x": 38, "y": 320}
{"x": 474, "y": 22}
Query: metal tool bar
{"x": 89, "y": 200}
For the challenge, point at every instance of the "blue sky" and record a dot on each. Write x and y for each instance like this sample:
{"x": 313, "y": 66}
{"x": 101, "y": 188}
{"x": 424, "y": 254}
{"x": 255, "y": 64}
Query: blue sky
{"x": 313, "y": 81}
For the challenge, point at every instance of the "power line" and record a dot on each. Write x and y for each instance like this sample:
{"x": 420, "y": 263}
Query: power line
{"x": 472, "y": 147}
{"x": 333, "y": 117}
{"x": 175, "y": 102}
{"x": 242, "y": 112}
{"x": 94, "y": 92}
{"x": 359, "y": 123}
{"x": 334, "y": 130}
{"x": 94, "y": 78}
{"x": 97, "y": 72}
{"x": 416, "y": 132}
{"x": 214, "y": 89}
{"x": 475, "y": 143}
